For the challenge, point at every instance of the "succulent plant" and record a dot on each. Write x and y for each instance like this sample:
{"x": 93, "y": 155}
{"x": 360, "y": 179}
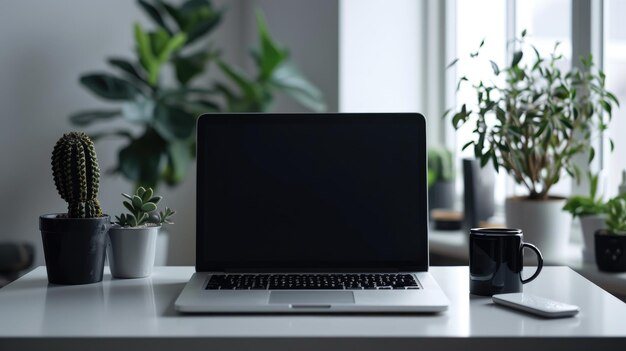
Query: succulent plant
{"x": 77, "y": 175}
{"x": 143, "y": 209}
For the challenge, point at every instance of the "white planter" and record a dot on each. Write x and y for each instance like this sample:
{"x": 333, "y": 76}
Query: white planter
{"x": 131, "y": 251}
{"x": 544, "y": 223}
{"x": 590, "y": 224}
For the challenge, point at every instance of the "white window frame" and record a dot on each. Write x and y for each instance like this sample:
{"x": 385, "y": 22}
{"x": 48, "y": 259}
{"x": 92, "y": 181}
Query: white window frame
{"x": 587, "y": 37}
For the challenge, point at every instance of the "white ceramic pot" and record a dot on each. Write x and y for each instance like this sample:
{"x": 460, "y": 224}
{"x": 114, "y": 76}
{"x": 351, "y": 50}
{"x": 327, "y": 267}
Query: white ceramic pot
{"x": 590, "y": 224}
{"x": 131, "y": 251}
{"x": 544, "y": 223}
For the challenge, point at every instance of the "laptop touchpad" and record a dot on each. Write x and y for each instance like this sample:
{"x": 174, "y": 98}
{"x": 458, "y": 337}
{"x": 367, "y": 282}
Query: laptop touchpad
{"x": 311, "y": 297}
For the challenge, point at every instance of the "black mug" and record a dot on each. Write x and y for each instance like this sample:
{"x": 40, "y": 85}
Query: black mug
{"x": 496, "y": 259}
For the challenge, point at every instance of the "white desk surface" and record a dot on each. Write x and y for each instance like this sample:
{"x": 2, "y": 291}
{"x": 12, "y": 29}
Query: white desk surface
{"x": 139, "y": 314}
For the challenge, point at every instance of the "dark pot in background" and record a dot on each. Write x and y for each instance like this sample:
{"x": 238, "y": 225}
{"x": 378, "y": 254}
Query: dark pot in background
{"x": 441, "y": 195}
{"x": 610, "y": 255}
{"x": 74, "y": 248}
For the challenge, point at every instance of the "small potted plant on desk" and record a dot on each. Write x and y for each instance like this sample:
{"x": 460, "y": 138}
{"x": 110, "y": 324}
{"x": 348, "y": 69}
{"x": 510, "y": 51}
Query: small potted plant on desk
{"x": 611, "y": 242}
{"x": 132, "y": 239}
{"x": 74, "y": 242}
{"x": 592, "y": 213}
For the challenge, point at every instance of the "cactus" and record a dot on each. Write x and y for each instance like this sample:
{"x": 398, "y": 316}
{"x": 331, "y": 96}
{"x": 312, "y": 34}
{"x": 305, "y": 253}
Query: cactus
{"x": 77, "y": 175}
{"x": 143, "y": 209}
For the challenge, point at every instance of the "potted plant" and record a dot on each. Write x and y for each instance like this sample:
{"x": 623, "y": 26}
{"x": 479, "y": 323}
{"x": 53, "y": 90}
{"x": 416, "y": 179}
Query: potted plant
{"x": 592, "y": 213}
{"x": 532, "y": 119}
{"x": 441, "y": 187}
{"x": 74, "y": 242}
{"x": 141, "y": 92}
{"x": 611, "y": 242}
{"x": 132, "y": 239}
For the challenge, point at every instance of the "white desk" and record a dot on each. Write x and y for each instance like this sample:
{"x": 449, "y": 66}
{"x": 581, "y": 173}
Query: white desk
{"x": 138, "y": 314}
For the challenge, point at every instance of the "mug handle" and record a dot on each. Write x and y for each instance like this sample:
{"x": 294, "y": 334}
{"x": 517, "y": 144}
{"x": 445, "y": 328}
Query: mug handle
{"x": 539, "y": 262}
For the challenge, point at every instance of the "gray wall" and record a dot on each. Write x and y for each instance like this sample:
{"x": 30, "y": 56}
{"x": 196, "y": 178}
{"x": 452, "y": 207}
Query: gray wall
{"x": 46, "y": 45}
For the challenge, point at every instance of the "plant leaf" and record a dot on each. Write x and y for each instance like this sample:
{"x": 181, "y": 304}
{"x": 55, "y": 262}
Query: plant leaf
{"x": 147, "y": 195}
{"x": 495, "y": 68}
{"x": 137, "y": 203}
{"x": 146, "y": 57}
{"x": 154, "y": 13}
{"x": 288, "y": 79}
{"x": 247, "y": 86}
{"x": 451, "y": 64}
{"x": 109, "y": 87}
{"x": 179, "y": 158}
{"x": 271, "y": 55}
{"x": 212, "y": 19}
{"x": 188, "y": 67}
{"x": 128, "y": 206}
{"x": 127, "y": 67}
{"x": 140, "y": 160}
{"x": 173, "y": 123}
{"x": 173, "y": 44}
{"x": 84, "y": 118}
{"x": 121, "y": 133}
{"x": 517, "y": 57}
{"x": 139, "y": 110}
{"x": 155, "y": 199}
{"x": 148, "y": 207}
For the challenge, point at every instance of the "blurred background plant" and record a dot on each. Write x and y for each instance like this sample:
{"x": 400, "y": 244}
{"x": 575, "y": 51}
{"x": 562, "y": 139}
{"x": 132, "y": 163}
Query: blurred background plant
{"x": 163, "y": 151}
{"x": 579, "y": 205}
{"x": 440, "y": 165}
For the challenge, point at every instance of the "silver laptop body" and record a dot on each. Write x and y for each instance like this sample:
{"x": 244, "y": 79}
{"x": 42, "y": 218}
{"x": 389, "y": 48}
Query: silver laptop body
{"x": 311, "y": 213}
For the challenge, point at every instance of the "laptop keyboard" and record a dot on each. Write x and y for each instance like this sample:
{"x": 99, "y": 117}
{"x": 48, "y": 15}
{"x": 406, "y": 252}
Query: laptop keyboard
{"x": 329, "y": 281}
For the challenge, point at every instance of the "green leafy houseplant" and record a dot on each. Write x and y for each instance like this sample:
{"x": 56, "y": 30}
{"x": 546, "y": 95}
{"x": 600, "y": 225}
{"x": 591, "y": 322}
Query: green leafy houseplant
{"x": 532, "y": 119}
{"x": 143, "y": 210}
{"x": 593, "y": 204}
{"x": 162, "y": 152}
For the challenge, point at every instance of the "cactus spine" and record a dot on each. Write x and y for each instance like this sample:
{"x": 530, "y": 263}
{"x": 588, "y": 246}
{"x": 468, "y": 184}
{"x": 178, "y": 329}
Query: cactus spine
{"x": 77, "y": 175}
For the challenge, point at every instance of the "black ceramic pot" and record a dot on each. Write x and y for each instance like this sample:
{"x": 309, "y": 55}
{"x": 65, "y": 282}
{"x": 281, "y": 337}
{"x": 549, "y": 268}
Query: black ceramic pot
{"x": 610, "y": 251}
{"x": 441, "y": 195}
{"x": 74, "y": 248}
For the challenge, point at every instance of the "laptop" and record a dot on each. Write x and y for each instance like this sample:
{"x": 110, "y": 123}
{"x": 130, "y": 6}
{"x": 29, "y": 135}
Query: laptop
{"x": 311, "y": 213}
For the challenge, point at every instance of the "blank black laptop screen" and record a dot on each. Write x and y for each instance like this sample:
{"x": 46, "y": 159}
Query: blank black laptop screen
{"x": 311, "y": 192}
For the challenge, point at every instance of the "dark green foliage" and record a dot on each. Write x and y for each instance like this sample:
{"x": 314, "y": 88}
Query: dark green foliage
{"x": 532, "y": 119}
{"x": 143, "y": 209}
{"x": 163, "y": 151}
{"x": 440, "y": 165}
{"x": 616, "y": 219}
{"x": 77, "y": 175}
{"x": 586, "y": 205}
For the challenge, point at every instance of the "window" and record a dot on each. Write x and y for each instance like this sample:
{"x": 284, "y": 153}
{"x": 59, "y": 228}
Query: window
{"x": 615, "y": 68}
{"x": 546, "y": 21}
{"x": 389, "y": 66}
{"x": 484, "y": 20}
